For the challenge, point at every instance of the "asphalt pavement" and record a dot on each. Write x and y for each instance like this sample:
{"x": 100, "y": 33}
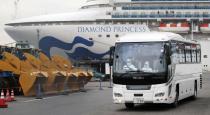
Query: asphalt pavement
{"x": 99, "y": 102}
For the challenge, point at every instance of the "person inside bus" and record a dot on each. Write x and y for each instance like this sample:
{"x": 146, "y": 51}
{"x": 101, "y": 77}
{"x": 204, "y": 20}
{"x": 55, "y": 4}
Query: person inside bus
{"x": 129, "y": 66}
{"x": 146, "y": 67}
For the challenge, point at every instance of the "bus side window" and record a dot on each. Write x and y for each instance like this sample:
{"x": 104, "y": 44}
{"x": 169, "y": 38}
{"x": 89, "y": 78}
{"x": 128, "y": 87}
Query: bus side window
{"x": 193, "y": 50}
{"x": 188, "y": 53}
{"x": 198, "y": 53}
{"x": 181, "y": 53}
{"x": 175, "y": 53}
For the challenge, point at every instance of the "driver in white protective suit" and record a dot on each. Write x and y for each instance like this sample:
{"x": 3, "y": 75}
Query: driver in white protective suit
{"x": 129, "y": 66}
{"x": 146, "y": 67}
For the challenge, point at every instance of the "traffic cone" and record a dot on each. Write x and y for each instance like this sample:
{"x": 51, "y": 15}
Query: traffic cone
{"x": 8, "y": 97}
{"x": 2, "y": 100}
{"x": 13, "y": 95}
{"x": 2, "y": 94}
{"x": 3, "y": 103}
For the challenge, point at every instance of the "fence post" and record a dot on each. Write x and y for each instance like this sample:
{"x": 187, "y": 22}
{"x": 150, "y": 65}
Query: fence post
{"x": 100, "y": 87}
{"x": 83, "y": 86}
{"x": 111, "y": 76}
{"x": 38, "y": 91}
{"x": 65, "y": 89}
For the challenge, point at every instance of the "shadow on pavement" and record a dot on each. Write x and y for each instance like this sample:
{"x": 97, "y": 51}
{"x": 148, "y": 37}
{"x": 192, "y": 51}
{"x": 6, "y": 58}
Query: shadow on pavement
{"x": 158, "y": 107}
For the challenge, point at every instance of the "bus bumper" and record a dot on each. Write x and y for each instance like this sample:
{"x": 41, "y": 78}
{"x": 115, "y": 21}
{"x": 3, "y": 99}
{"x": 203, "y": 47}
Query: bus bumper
{"x": 157, "y": 94}
{"x": 141, "y": 100}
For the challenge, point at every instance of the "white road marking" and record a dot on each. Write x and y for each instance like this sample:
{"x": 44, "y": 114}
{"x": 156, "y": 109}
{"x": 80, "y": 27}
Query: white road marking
{"x": 33, "y": 100}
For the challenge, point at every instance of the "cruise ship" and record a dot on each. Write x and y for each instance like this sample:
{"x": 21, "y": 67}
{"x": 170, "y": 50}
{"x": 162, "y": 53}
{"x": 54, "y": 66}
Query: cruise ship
{"x": 88, "y": 33}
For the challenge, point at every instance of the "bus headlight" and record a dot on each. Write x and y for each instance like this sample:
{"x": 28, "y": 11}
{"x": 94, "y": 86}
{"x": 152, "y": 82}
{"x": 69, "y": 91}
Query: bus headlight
{"x": 161, "y": 94}
{"x": 118, "y": 95}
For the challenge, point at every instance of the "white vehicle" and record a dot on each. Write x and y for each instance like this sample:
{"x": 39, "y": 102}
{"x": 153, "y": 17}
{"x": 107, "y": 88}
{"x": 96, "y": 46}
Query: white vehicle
{"x": 155, "y": 67}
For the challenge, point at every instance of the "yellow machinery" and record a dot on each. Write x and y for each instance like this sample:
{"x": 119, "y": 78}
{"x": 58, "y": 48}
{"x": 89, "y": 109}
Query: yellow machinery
{"x": 9, "y": 75}
{"x": 77, "y": 78}
{"x": 71, "y": 81}
{"x": 7, "y": 78}
{"x": 32, "y": 67}
{"x": 57, "y": 76}
{"x": 27, "y": 70}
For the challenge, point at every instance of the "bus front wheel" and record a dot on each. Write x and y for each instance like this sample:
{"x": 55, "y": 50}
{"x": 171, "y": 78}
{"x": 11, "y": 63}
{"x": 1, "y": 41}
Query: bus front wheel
{"x": 176, "y": 100}
{"x": 195, "y": 91}
{"x": 129, "y": 105}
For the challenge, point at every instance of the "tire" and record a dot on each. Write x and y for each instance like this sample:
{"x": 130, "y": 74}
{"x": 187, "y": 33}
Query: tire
{"x": 195, "y": 92}
{"x": 129, "y": 105}
{"x": 176, "y": 101}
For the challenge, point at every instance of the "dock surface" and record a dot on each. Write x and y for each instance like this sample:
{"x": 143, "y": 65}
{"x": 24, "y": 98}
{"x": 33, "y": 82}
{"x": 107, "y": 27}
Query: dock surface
{"x": 99, "y": 102}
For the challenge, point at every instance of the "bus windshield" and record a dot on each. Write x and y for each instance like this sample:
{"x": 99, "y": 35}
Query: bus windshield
{"x": 140, "y": 57}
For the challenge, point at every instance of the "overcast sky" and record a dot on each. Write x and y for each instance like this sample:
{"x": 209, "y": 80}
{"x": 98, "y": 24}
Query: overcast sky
{"x": 27, "y": 8}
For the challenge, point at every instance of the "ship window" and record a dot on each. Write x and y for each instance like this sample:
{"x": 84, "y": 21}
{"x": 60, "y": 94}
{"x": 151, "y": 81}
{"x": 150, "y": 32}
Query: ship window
{"x": 115, "y": 22}
{"x": 98, "y": 22}
{"x": 205, "y": 14}
{"x": 205, "y": 56}
{"x": 107, "y": 22}
{"x": 99, "y": 35}
{"x": 108, "y": 13}
{"x": 131, "y": 22}
{"x": 108, "y": 36}
{"x": 116, "y": 35}
{"x": 123, "y": 22}
{"x": 125, "y": 14}
{"x": 114, "y": 8}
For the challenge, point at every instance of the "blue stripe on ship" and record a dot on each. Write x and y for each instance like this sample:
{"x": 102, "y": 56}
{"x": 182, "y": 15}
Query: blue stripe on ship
{"x": 48, "y": 42}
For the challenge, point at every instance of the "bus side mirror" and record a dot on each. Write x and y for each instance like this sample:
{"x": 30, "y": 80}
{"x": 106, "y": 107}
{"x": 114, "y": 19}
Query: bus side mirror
{"x": 167, "y": 53}
{"x": 111, "y": 55}
{"x": 169, "y": 72}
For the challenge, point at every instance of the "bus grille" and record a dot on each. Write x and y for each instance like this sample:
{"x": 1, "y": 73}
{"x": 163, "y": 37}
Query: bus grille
{"x": 138, "y": 87}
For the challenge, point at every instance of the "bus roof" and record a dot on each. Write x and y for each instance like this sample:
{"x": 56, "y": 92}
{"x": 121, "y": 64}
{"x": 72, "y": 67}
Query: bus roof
{"x": 152, "y": 37}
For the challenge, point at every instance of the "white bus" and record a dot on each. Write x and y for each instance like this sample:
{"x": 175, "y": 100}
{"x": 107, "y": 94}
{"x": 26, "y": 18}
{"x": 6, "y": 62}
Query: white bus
{"x": 155, "y": 67}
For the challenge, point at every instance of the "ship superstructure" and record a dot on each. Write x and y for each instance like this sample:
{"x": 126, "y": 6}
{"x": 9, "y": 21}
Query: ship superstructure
{"x": 188, "y": 17}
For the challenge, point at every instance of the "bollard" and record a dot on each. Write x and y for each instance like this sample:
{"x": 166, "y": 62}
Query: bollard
{"x": 56, "y": 87}
{"x": 65, "y": 89}
{"x": 38, "y": 91}
{"x": 110, "y": 82}
{"x": 100, "y": 87}
{"x": 110, "y": 78}
{"x": 83, "y": 87}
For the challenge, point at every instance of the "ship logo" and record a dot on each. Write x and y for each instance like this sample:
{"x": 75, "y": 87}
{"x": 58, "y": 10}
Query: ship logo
{"x": 48, "y": 42}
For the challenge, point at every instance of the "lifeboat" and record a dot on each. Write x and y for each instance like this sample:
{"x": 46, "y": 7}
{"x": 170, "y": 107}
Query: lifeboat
{"x": 205, "y": 28}
{"x": 175, "y": 27}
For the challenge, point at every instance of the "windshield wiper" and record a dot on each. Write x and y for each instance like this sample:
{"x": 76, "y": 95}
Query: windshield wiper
{"x": 123, "y": 74}
{"x": 135, "y": 71}
{"x": 142, "y": 72}
{"x": 130, "y": 73}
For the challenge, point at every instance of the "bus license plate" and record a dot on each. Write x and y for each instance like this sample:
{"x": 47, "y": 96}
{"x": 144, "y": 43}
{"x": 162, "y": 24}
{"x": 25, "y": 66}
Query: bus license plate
{"x": 138, "y": 100}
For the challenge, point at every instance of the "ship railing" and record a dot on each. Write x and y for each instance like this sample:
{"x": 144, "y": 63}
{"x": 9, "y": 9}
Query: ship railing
{"x": 163, "y": 7}
{"x": 163, "y": 16}
{"x": 170, "y": 0}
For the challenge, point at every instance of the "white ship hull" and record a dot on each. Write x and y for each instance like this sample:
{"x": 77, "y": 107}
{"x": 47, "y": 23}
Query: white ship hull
{"x": 75, "y": 41}
{"x": 89, "y": 32}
